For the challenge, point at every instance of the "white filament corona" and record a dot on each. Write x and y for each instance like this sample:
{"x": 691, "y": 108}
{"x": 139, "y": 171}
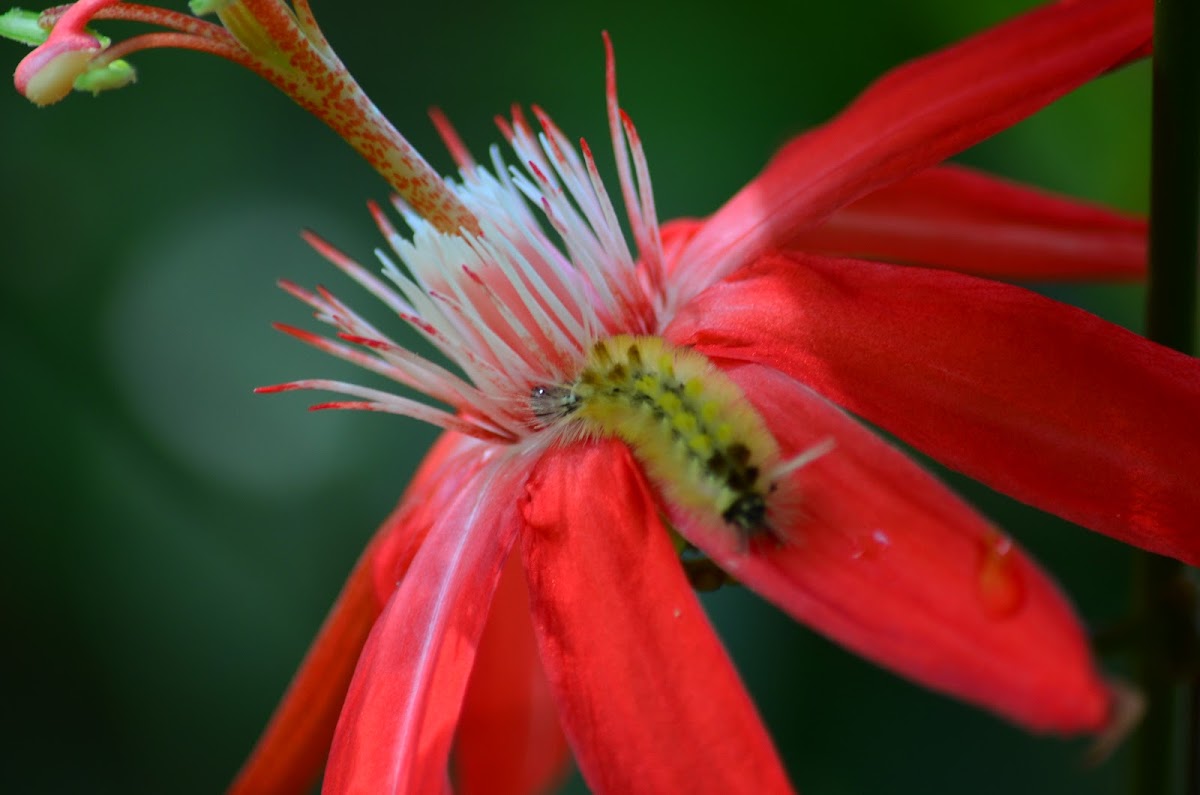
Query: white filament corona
{"x": 512, "y": 307}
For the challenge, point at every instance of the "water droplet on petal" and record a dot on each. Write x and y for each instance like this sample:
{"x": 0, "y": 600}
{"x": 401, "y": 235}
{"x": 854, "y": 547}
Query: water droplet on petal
{"x": 1001, "y": 589}
{"x": 869, "y": 545}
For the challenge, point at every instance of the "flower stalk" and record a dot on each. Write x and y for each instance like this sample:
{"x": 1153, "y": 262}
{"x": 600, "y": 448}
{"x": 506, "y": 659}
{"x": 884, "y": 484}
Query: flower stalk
{"x": 281, "y": 43}
{"x": 1165, "y": 591}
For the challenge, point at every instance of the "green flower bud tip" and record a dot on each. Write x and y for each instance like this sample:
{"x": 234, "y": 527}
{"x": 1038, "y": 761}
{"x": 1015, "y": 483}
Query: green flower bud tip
{"x": 117, "y": 74}
{"x": 17, "y": 24}
{"x": 20, "y": 25}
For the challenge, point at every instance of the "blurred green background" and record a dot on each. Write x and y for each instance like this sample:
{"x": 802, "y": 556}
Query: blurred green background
{"x": 171, "y": 542}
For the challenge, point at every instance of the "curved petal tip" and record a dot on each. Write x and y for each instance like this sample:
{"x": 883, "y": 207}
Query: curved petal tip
{"x": 1127, "y": 707}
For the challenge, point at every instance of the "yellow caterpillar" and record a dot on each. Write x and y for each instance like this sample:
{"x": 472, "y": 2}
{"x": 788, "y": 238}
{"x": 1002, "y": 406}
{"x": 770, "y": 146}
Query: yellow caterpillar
{"x": 688, "y": 424}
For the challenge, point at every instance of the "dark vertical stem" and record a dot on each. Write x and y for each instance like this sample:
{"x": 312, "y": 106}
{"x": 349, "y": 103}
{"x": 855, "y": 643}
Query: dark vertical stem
{"x": 1192, "y": 771}
{"x": 1175, "y": 176}
{"x": 1163, "y": 596}
{"x": 1163, "y": 591}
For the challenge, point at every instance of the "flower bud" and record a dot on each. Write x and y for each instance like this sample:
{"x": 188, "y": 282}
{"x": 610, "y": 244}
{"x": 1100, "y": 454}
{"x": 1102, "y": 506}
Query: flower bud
{"x": 48, "y": 73}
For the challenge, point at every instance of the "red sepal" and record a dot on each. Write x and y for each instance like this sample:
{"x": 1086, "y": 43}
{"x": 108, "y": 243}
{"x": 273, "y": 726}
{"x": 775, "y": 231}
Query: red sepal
{"x": 398, "y": 720}
{"x": 509, "y": 741}
{"x": 887, "y": 561}
{"x": 1038, "y": 399}
{"x": 963, "y": 220}
{"x": 915, "y": 117}
{"x": 648, "y": 698}
{"x": 289, "y": 756}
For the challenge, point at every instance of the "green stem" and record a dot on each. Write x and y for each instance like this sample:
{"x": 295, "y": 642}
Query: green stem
{"x": 1162, "y": 590}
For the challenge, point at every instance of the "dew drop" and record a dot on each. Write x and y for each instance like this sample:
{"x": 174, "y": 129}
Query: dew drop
{"x": 869, "y": 546}
{"x": 1001, "y": 590}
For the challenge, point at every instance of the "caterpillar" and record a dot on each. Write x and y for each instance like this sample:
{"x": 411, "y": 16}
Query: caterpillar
{"x": 688, "y": 424}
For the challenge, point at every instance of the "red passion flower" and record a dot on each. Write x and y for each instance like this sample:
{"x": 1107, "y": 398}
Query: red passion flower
{"x": 606, "y": 408}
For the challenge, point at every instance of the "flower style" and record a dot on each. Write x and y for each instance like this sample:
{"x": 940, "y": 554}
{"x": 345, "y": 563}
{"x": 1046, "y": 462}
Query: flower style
{"x": 604, "y": 405}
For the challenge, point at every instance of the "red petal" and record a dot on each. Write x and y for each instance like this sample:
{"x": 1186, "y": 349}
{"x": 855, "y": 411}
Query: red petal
{"x": 915, "y": 117}
{"x": 291, "y": 752}
{"x": 509, "y": 741}
{"x": 452, "y": 461}
{"x": 1038, "y": 399}
{"x": 963, "y": 220}
{"x": 649, "y": 700}
{"x": 887, "y": 561}
{"x": 396, "y": 726}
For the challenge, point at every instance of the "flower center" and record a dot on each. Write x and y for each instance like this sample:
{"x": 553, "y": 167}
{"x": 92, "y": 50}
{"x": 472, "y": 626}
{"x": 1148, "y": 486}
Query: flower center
{"x": 688, "y": 424}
